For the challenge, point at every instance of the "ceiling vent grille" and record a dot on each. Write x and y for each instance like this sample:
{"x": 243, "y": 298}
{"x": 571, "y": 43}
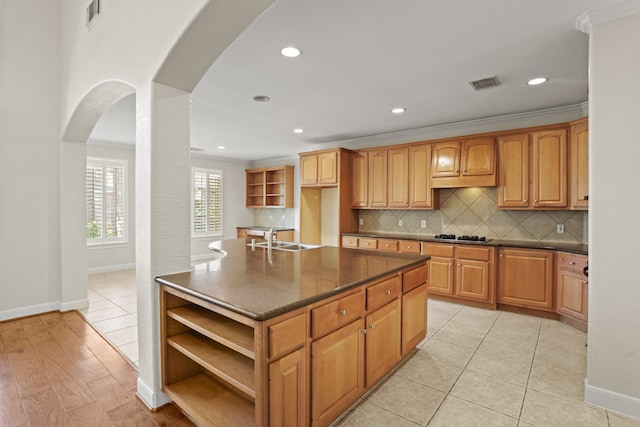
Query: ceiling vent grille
{"x": 485, "y": 83}
{"x": 93, "y": 12}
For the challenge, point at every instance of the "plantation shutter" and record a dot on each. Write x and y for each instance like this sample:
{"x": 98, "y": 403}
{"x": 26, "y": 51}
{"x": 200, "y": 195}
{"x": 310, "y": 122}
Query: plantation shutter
{"x": 207, "y": 202}
{"x": 106, "y": 200}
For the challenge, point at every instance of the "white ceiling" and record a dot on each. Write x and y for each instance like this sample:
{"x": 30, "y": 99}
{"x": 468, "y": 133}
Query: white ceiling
{"x": 360, "y": 58}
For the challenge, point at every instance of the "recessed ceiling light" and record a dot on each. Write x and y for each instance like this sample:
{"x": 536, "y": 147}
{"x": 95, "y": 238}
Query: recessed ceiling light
{"x": 221, "y": 147}
{"x": 290, "y": 52}
{"x": 398, "y": 110}
{"x": 261, "y": 98}
{"x": 537, "y": 81}
{"x": 298, "y": 130}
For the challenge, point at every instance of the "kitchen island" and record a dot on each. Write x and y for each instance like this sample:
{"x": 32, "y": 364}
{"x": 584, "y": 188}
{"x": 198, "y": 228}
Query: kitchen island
{"x": 278, "y": 337}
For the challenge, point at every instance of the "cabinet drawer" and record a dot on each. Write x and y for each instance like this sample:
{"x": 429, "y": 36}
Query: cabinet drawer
{"x": 287, "y": 335}
{"x": 366, "y": 243}
{"x": 349, "y": 242}
{"x": 383, "y": 292}
{"x": 410, "y": 246}
{"x": 437, "y": 249}
{"x": 575, "y": 262}
{"x": 472, "y": 252}
{"x": 388, "y": 245}
{"x": 329, "y": 317}
{"x": 414, "y": 278}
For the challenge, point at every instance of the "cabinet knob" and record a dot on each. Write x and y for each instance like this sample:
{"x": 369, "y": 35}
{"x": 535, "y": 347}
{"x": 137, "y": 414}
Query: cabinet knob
{"x": 387, "y": 292}
{"x": 584, "y": 282}
{"x": 572, "y": 263}
{"x": 535, "y": 201}
{"x": 364, "y": 331}
{"x": 372, "y": 326}
{"x": 343, "y": 312}
{"x": 525, "y": 200}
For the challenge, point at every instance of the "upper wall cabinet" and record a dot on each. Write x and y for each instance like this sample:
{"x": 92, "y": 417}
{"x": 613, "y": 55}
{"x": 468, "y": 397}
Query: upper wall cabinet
{"x": 468, "y": 163}
{"x": 421, "y": 195}
{"x": 533, "y": 170}
{"x": 579, "y": 164}
{"x": 319, "y": 168}
{"x": 269, "y": 187}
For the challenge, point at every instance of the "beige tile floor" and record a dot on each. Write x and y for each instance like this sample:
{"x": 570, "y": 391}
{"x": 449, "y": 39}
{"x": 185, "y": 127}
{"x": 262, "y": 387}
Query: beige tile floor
{"x": 475, "y": 368}
{"x": 112, "y": 310}
{"x": 488, "y": 368}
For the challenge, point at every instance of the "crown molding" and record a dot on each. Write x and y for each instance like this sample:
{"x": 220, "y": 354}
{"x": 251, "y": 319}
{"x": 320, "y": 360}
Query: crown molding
{"x": 590, "y": 18}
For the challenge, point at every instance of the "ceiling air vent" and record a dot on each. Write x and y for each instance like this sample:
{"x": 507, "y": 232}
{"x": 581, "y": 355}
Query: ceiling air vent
{"x": 485, "y": 83}
{"x": 93, "y": 12}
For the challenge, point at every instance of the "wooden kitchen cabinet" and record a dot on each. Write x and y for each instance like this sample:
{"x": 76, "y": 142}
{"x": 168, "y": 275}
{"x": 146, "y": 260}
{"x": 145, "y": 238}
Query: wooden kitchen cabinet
{"x": 414, "y": 317}
{"x": 319, "y": 168}
{"x": 525, "y": 278}
{"x": 467, "y": 163}
{"x": 579, "y": 164}
{"x": 421, "y": 195}
{"x": 441, "y": 271}
{"x": 382, "y": 341}
{"x": 398, "y": 178}
{"x": 377, "y": 178}
{"x": 360, "y": 179}
{"x": 572, "y": 286}
{"x": 287, "y": 390}
{"x": 533, "y": 170}
{"x": 269, "y": 187}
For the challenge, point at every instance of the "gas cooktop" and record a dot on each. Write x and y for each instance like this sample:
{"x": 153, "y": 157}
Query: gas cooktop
{"x": 476, "y": 239}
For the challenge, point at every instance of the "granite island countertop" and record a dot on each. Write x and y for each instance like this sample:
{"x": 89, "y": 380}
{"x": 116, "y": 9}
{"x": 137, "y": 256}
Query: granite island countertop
{"x": 250, "y": 282}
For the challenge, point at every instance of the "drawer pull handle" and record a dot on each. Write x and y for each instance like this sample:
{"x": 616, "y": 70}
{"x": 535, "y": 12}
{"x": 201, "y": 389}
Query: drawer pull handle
{"x": 388, "y": 292}
{"x": 343, "y": 312}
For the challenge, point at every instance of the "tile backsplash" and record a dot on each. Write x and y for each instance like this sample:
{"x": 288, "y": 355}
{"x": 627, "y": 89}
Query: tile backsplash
{"x": 473, "y": 211}
{"x": 273, "y": 217}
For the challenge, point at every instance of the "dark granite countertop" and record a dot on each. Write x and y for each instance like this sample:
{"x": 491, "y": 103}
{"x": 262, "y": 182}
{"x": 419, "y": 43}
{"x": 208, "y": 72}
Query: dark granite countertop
{"x": 247, "y": 282}
{"x": 576, "y": 248}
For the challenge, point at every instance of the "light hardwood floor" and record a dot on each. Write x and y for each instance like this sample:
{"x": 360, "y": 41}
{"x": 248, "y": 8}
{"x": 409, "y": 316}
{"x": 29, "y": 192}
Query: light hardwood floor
{"x": 56, "y": 370}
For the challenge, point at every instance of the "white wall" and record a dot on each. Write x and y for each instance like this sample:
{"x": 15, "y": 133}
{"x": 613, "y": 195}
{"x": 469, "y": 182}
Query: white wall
{"x": 29, "y": 158}
{"x": 122, "y": 255}
{"x": 613, "y": 371}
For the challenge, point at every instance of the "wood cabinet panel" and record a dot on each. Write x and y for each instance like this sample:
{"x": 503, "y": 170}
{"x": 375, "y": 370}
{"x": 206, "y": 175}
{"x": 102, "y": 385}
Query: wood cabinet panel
{"x": 269, "y": 187}
{"x": 287, "y": 335}
{"x": 288, "y": 388}
{"x": 472, "y": 279}
{"x": 328, "y": 168}
{"x": 549, "y": 168}
{"x": 421, "y": 195}
{"x": 579, "y": 164}
{"x": 360, "y": 179}
{"x": 349, "y": 241}
{"x": 308, "y": 169}
{"x": 479, "y": 157}
{"x": 513, "y": 172}
{"x": 398, "y": 179}
{"x": 572, "y": 294}
{"x": 337, "y": 372}
{"x": 367, "y": 243}
{"x": 383, "y": 292}
{"x": 335, "y": 314}
{"x": 441, "y": 275}
{"x": 377, "y": 179}
{"x": 414, "y": 278}
{"x": 409, "y": 246}
{"x": 446, "y": 159}
{"x": 320, "y": 168}
{"x": 414, "y": 318}
{"x": 526, "y": 278}
{"x": 388, "y": 245}
{"x": 382, "y": 341}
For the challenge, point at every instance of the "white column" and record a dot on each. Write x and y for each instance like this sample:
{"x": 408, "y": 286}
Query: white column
{"x": 163, "y": 243}
{"x": 613, "y": 359}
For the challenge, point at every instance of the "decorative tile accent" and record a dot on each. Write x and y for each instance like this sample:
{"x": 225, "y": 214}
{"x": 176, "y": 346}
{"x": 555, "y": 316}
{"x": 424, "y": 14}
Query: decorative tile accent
{"x": 278, "y": 218}
{"x": 474, "y": 211}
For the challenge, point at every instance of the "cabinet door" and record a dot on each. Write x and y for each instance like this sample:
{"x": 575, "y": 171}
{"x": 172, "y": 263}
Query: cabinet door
{"x": 382, "y": 349}
{"x": 472, "y": 280}
{"x": 287, "y": 390}
{"x": 549, "y": 169}
{"x": 309, "y": 169}
{"x": 378, "y": 178}
{"x": 446, "y": 159}
{"x": 359, "y": 180}
{"x": 398, "y": 196}
{"x": 513, "y": 172}
{"x": 526, "y": 278}
{"x": 337, "y": 372}
{"x": 328, "y": 168}
{"x": 414, "y": 318}
{"x": 478, "y": 157}
{"x": 579, "y": 163}
{"x": 572, "y": 294}
{"x": 441, "y": 275}
{"x": 420, "y": 193}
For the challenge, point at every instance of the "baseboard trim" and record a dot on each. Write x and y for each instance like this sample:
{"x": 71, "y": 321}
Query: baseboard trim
{"x": 32, "y": 310}
{"x": 150, "y": 398}
{"x": 74, "y": 305}
{"x": 611, "y": 400}
{"x": 111, "y": 268}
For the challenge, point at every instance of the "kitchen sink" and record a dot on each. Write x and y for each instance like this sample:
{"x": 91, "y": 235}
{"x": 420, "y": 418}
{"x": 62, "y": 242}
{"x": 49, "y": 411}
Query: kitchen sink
{"x": 285, "y": 246}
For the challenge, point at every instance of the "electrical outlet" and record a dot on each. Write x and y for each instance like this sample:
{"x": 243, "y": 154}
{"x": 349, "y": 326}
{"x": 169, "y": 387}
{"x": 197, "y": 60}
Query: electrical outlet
{"x": 361, "y": 221}
{"x": 399, "y": 223}
{"x": 559, "y": 228}
{"x": 423, "y": 223}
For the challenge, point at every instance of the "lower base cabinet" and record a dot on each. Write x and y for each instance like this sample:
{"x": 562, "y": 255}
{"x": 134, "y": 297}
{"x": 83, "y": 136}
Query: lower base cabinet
{"x": 414, "y": 318}
{"x": 572, "y": 286}
{"x": 526, "y": 278}
{"x": 382, "y": 341}
{"x": 287, "y": 390}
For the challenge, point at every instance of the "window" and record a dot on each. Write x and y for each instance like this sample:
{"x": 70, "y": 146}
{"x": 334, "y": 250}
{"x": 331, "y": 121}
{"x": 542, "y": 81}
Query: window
{"x": 106, "y": 200}
{"x": 207, "y": 202}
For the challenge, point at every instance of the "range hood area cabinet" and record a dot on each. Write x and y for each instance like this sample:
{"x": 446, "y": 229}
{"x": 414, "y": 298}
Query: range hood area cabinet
{"x": 325, "y": 209}
{"x": 270, "y": 187}
{"x": 394, "y": 177}
{"x": 466, "y": 163}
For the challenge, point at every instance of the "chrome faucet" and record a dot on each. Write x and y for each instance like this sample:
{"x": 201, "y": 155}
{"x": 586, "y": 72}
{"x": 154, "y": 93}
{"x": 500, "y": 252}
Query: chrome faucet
{"x": 270, "y": 237}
